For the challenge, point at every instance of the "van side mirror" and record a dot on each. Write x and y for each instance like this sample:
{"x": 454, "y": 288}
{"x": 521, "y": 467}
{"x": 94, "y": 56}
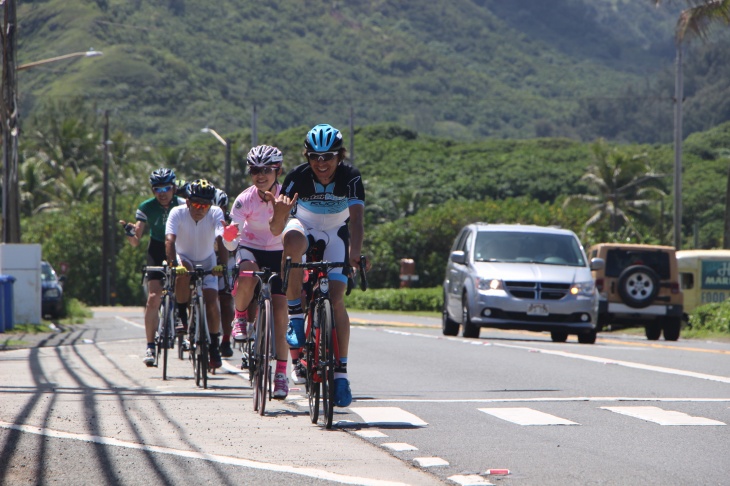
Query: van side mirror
{"x": 597, "y": 263}
{"x": 458, "y": 256}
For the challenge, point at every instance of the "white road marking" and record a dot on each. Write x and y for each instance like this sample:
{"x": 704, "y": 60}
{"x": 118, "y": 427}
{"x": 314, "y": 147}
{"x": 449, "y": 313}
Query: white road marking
{"x": 470, "y": 480}
{"x": 526, "y": 416}
{"x": 595, "y": 359}
{"x": 546, "y": 399}
{"x": 387, "y": 415}
{"x": 234, "y": 461}
{"x": 131, "y": 323}
{"x": 662, "y": 417}
{"x": 430, "y": 461}
{"x": 399, "y": 446}
{"x": 371, "y": 434}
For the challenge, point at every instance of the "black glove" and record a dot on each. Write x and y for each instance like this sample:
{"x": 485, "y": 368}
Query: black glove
{"x": 129, "y": 230}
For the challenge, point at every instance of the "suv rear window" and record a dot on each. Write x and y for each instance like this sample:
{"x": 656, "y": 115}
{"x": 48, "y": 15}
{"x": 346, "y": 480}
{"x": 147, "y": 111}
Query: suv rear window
{"x": 618, "y": 260}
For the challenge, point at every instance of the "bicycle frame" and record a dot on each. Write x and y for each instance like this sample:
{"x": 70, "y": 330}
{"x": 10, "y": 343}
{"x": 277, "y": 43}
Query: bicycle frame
{"x": 321, "y": 352}
{"x": 165, "y": 334}
{"x": 198, "y": 329}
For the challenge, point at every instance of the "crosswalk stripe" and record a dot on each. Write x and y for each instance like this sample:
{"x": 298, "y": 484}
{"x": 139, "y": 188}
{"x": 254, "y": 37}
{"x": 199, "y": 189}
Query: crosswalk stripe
{"x": 662, "y": 417}
{"x": 526, "y": 416}
{"x": 388, "y": 415}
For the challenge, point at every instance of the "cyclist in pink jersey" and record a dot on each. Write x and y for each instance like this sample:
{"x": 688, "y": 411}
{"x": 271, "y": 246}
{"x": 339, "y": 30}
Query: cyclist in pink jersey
{"x": 250, "y": 237}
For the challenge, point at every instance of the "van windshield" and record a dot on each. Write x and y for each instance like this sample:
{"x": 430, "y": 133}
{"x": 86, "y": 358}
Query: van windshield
{"x": 518, "y": 246}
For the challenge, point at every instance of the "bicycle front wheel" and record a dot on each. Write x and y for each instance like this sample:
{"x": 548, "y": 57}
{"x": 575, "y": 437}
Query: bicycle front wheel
{"x": 326, "y": 359}
{"x": 167, "y": 329}
{"x": 262, "y": 376}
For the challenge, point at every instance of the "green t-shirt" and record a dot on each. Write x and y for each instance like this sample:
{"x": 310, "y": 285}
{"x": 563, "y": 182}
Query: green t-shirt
{"x": 152, "y": 213}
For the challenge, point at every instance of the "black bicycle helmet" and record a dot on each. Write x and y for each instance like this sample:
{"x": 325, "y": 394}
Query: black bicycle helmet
{"x": 220, "y": 199}
{"x": 162, "y": 177}
{"x": 264, "y": 156}
{"x": 323, "y": 138}
{"x": 202, "y": 189}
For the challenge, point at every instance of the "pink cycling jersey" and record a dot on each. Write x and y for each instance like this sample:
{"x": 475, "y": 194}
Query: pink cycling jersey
{"x": 252, "y": 215}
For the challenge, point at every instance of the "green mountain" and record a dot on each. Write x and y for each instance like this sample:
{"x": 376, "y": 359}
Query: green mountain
{"x": 463, "y": 69}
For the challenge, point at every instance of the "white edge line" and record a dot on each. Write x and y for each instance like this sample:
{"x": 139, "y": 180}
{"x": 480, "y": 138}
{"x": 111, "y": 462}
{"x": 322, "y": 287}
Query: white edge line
{"x": 302, "y": 471}
{"x": 131, "y": 323}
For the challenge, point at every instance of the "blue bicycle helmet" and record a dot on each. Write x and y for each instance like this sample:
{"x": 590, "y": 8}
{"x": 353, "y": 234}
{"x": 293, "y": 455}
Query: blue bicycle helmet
{"x": 162, "y": 177}
{"x": 323, "y": 138}
{"x": 202, "y": 189}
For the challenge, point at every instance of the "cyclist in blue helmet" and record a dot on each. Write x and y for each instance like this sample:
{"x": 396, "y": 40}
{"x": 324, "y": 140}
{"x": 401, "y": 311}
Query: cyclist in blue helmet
{"x": 330, "y": 207}
{"x": 153, "y": 213}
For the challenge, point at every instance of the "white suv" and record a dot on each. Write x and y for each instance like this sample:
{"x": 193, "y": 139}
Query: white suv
{"x": 520, "y": 277}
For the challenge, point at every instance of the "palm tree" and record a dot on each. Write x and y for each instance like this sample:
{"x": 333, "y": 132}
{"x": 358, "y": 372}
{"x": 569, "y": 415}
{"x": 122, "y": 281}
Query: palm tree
{"x": 622, "y": 188}
{"x": 697, "y": 18}
{"x": 693, "y": 21}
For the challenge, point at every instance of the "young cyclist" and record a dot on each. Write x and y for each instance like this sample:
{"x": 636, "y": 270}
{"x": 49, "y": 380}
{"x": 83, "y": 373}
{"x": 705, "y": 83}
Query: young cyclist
{"x": 330, "y": 207}
{"x": 153, "y": 212}
{"x": 224, "y": 291}
{"x": 249, "y": 235}
{"x": 190, "y": 236}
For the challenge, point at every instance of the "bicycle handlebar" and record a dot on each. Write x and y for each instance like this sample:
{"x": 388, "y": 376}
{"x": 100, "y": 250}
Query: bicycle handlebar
{"x": 288, "y": 264}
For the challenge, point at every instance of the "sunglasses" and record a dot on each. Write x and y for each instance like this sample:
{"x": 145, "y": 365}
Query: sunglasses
{"x": 325, "y": 156}
{"x": 198, "y": 205}
{"x": 261, "y": 170}
{"x": 162, "y": 189}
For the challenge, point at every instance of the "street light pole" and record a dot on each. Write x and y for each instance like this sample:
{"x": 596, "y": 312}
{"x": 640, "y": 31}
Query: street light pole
{"x": 10, "y": 120}
{"x": 106, "y": 250}
{"x": 227, "y": 143}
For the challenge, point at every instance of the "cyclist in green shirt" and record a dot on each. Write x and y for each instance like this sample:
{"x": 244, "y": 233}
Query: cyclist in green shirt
{"x": 153, "y": 213}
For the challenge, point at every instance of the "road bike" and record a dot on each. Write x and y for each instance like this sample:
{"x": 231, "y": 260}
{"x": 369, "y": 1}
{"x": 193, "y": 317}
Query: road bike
{"x": 198, "y": 333}
{"x": 261, "y": 350}
{"x": 165, "y": 333}
{"x": 320, "y": 353}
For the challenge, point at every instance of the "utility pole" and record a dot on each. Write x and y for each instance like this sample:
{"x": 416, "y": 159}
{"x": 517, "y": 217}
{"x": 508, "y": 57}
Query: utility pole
{"x": 228, "y": 166}
{"x": 105, "y": 248}
{"x": 254, "y": 127}
{"x": 10, "y": 126}
{"x": 678, "y": 95}
{"x": 352, "y": 135}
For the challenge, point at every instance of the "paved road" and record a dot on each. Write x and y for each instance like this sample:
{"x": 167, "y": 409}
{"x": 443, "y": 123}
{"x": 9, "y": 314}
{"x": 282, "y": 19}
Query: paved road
{"x": 86, "y": 411}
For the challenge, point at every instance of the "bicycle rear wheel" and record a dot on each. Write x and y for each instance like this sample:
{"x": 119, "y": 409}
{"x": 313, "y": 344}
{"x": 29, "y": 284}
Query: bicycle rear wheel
{"x": 262, "y": 376}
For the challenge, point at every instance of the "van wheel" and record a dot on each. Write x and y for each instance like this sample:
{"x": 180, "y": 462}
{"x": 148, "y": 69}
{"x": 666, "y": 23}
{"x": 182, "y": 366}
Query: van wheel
{"x": 638, "y": 286}
{"x": 559, "y": 337}
{"x": 653, "y": 331}
{"x": 449, "y": 327}
{"x": 672, "y": 326}
{"x": 587, "y": 337}
{"x": 470, "y": 330}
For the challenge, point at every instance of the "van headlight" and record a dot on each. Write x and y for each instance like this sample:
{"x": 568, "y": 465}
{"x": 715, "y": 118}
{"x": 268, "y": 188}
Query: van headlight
{"x": 583, "y": 288}
{"x": 489, "y": 284}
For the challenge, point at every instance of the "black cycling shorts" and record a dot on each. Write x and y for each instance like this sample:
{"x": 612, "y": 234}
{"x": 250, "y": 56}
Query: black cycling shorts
{"x": 155, "y": 256}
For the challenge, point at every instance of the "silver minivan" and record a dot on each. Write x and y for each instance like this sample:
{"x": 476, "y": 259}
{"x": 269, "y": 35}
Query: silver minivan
{"x": 520, "y": 277}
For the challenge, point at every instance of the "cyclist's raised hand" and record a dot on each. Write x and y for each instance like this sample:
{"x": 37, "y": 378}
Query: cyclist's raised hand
{"x": 217, "y": 270}
{"x": 129, "y": 228}
{"x": 282, "y": 203}
{"x": 180, "y": 270}
{"x": 230, "y": 232}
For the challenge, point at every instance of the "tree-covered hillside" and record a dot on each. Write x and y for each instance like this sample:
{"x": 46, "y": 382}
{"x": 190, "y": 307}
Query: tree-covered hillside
{"x": 463, "y": 69}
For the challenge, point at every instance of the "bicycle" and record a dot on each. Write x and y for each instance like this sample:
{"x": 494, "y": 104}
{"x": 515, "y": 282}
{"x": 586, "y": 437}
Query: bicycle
{"x": 198, "y": 334}
{"x": 320, "y": 352}
{"x": 165, "y": 334}
{"x": 261, "y": 350}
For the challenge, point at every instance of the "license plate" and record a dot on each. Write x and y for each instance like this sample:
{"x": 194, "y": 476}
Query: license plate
{"x": 537, "y": 310}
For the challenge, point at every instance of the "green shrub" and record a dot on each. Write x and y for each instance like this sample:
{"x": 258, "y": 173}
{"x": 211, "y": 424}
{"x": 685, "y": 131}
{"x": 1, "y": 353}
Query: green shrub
{"x": 711, "y": 317}
{"x": 430, "y": 299}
